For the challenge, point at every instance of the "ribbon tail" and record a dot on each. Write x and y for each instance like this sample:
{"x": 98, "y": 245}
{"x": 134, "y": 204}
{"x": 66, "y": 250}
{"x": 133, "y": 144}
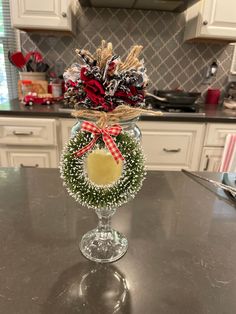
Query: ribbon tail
{"x": 113, "y": 149}
{"x": 86, "y": 148}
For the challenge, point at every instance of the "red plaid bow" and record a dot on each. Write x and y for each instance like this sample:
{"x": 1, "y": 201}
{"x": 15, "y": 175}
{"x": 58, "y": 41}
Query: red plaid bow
{"x": 106, "y": 136}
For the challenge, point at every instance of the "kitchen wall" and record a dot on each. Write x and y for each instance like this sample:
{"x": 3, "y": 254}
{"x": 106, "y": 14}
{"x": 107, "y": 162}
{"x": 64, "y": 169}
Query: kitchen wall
{"x": 170, "y": 62}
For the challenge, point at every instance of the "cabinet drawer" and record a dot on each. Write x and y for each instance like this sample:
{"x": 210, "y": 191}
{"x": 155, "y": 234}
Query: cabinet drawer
{"x": 172, "y": 146}
{"x": 217, "y": 132}
{"x": 164, "y": 149}
{"x": 20, "y": 131}
{"x": 29, "y": 157}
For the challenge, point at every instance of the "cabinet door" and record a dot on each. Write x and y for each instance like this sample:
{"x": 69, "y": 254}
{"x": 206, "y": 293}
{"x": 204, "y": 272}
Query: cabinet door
{"x": 26, "y": 157}
{"x": 66, "y": 126}
{"x": 218, "y": 19}
{"x": 172, "y": 146}
{"x": 211, "y": 159}
{"x": 41, "y": 14}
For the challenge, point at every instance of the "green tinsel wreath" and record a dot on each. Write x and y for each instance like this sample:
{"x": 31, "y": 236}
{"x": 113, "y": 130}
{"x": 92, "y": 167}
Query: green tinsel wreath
{"x": 87, "y": 193}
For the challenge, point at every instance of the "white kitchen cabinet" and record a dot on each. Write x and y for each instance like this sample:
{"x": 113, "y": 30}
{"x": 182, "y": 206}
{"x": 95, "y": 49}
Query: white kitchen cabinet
{"x": 211, "y": 159}
{"x": 28, "y": 142}
{"x": 57, "y": 15}
{"x": 216, "y": 133}
{"x": 38, "y": 142}
{"x": 167, "y": 145}
{"x": 211, "y": 19}
{"x": 172, "y": 145}
{"x": 214, "y": 144}
{"x": 28, "y": 157}
{"x": 66, "y": 125}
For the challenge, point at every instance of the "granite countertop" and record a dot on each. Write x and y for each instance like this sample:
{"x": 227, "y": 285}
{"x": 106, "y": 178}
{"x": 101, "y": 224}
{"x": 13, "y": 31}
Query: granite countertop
{"x": 207, "y": 114}
{"x": 181, "y": 256}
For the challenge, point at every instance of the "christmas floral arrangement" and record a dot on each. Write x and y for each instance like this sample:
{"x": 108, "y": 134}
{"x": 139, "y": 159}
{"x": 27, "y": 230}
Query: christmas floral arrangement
{"x": 103, "y": 163}
{"x": 103, "y": 81}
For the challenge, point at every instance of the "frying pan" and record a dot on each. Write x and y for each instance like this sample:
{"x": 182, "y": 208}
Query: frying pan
{"x": 176, "y": 97}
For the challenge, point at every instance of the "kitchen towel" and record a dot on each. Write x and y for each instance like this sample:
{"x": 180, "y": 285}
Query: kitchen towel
{"x": 228, "y": 162}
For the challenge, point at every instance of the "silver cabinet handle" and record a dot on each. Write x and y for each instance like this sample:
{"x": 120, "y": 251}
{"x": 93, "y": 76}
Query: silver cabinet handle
{"x": 172, "y": 150}
{"x": 23, "y": 166}
{"x": 64, "y": 14}
{"x": 22, "y": 133}
{"x": 207, "y": 163}
{"x": 205, "y": 22}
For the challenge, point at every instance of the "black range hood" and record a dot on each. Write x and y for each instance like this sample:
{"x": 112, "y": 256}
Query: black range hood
{"x": 161, "y": 5}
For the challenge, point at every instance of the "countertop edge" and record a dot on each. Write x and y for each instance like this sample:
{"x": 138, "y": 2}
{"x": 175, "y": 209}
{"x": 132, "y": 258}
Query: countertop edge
{"x": 16, "y": 109}
{"x": 67, "y": 115}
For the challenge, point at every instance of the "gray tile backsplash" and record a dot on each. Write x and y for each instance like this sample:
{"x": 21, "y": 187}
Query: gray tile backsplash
{"x": 170, "y": 62}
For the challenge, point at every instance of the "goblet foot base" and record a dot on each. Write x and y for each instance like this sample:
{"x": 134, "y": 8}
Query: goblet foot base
{"x": 103, "y": 246}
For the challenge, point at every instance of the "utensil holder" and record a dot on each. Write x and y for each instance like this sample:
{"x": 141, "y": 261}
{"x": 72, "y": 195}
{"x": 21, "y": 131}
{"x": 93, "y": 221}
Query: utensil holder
{"x": 33, "y": 76}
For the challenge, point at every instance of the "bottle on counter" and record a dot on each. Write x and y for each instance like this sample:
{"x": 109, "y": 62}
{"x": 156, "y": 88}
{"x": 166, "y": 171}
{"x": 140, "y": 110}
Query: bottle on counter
{"x": 56, "y": 85}
{"x": 50, "y": 86}
{"x": 26, "y": 87}
{"x": 56, "y": 89}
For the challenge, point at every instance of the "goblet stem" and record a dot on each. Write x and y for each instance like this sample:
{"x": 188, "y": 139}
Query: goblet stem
{"x": 104, "y": 219}
{"x": 104, "y": 224}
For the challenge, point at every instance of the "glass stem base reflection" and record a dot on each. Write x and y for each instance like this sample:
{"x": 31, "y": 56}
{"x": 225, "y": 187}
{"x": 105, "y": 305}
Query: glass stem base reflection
{"x": 104, "y": 244}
